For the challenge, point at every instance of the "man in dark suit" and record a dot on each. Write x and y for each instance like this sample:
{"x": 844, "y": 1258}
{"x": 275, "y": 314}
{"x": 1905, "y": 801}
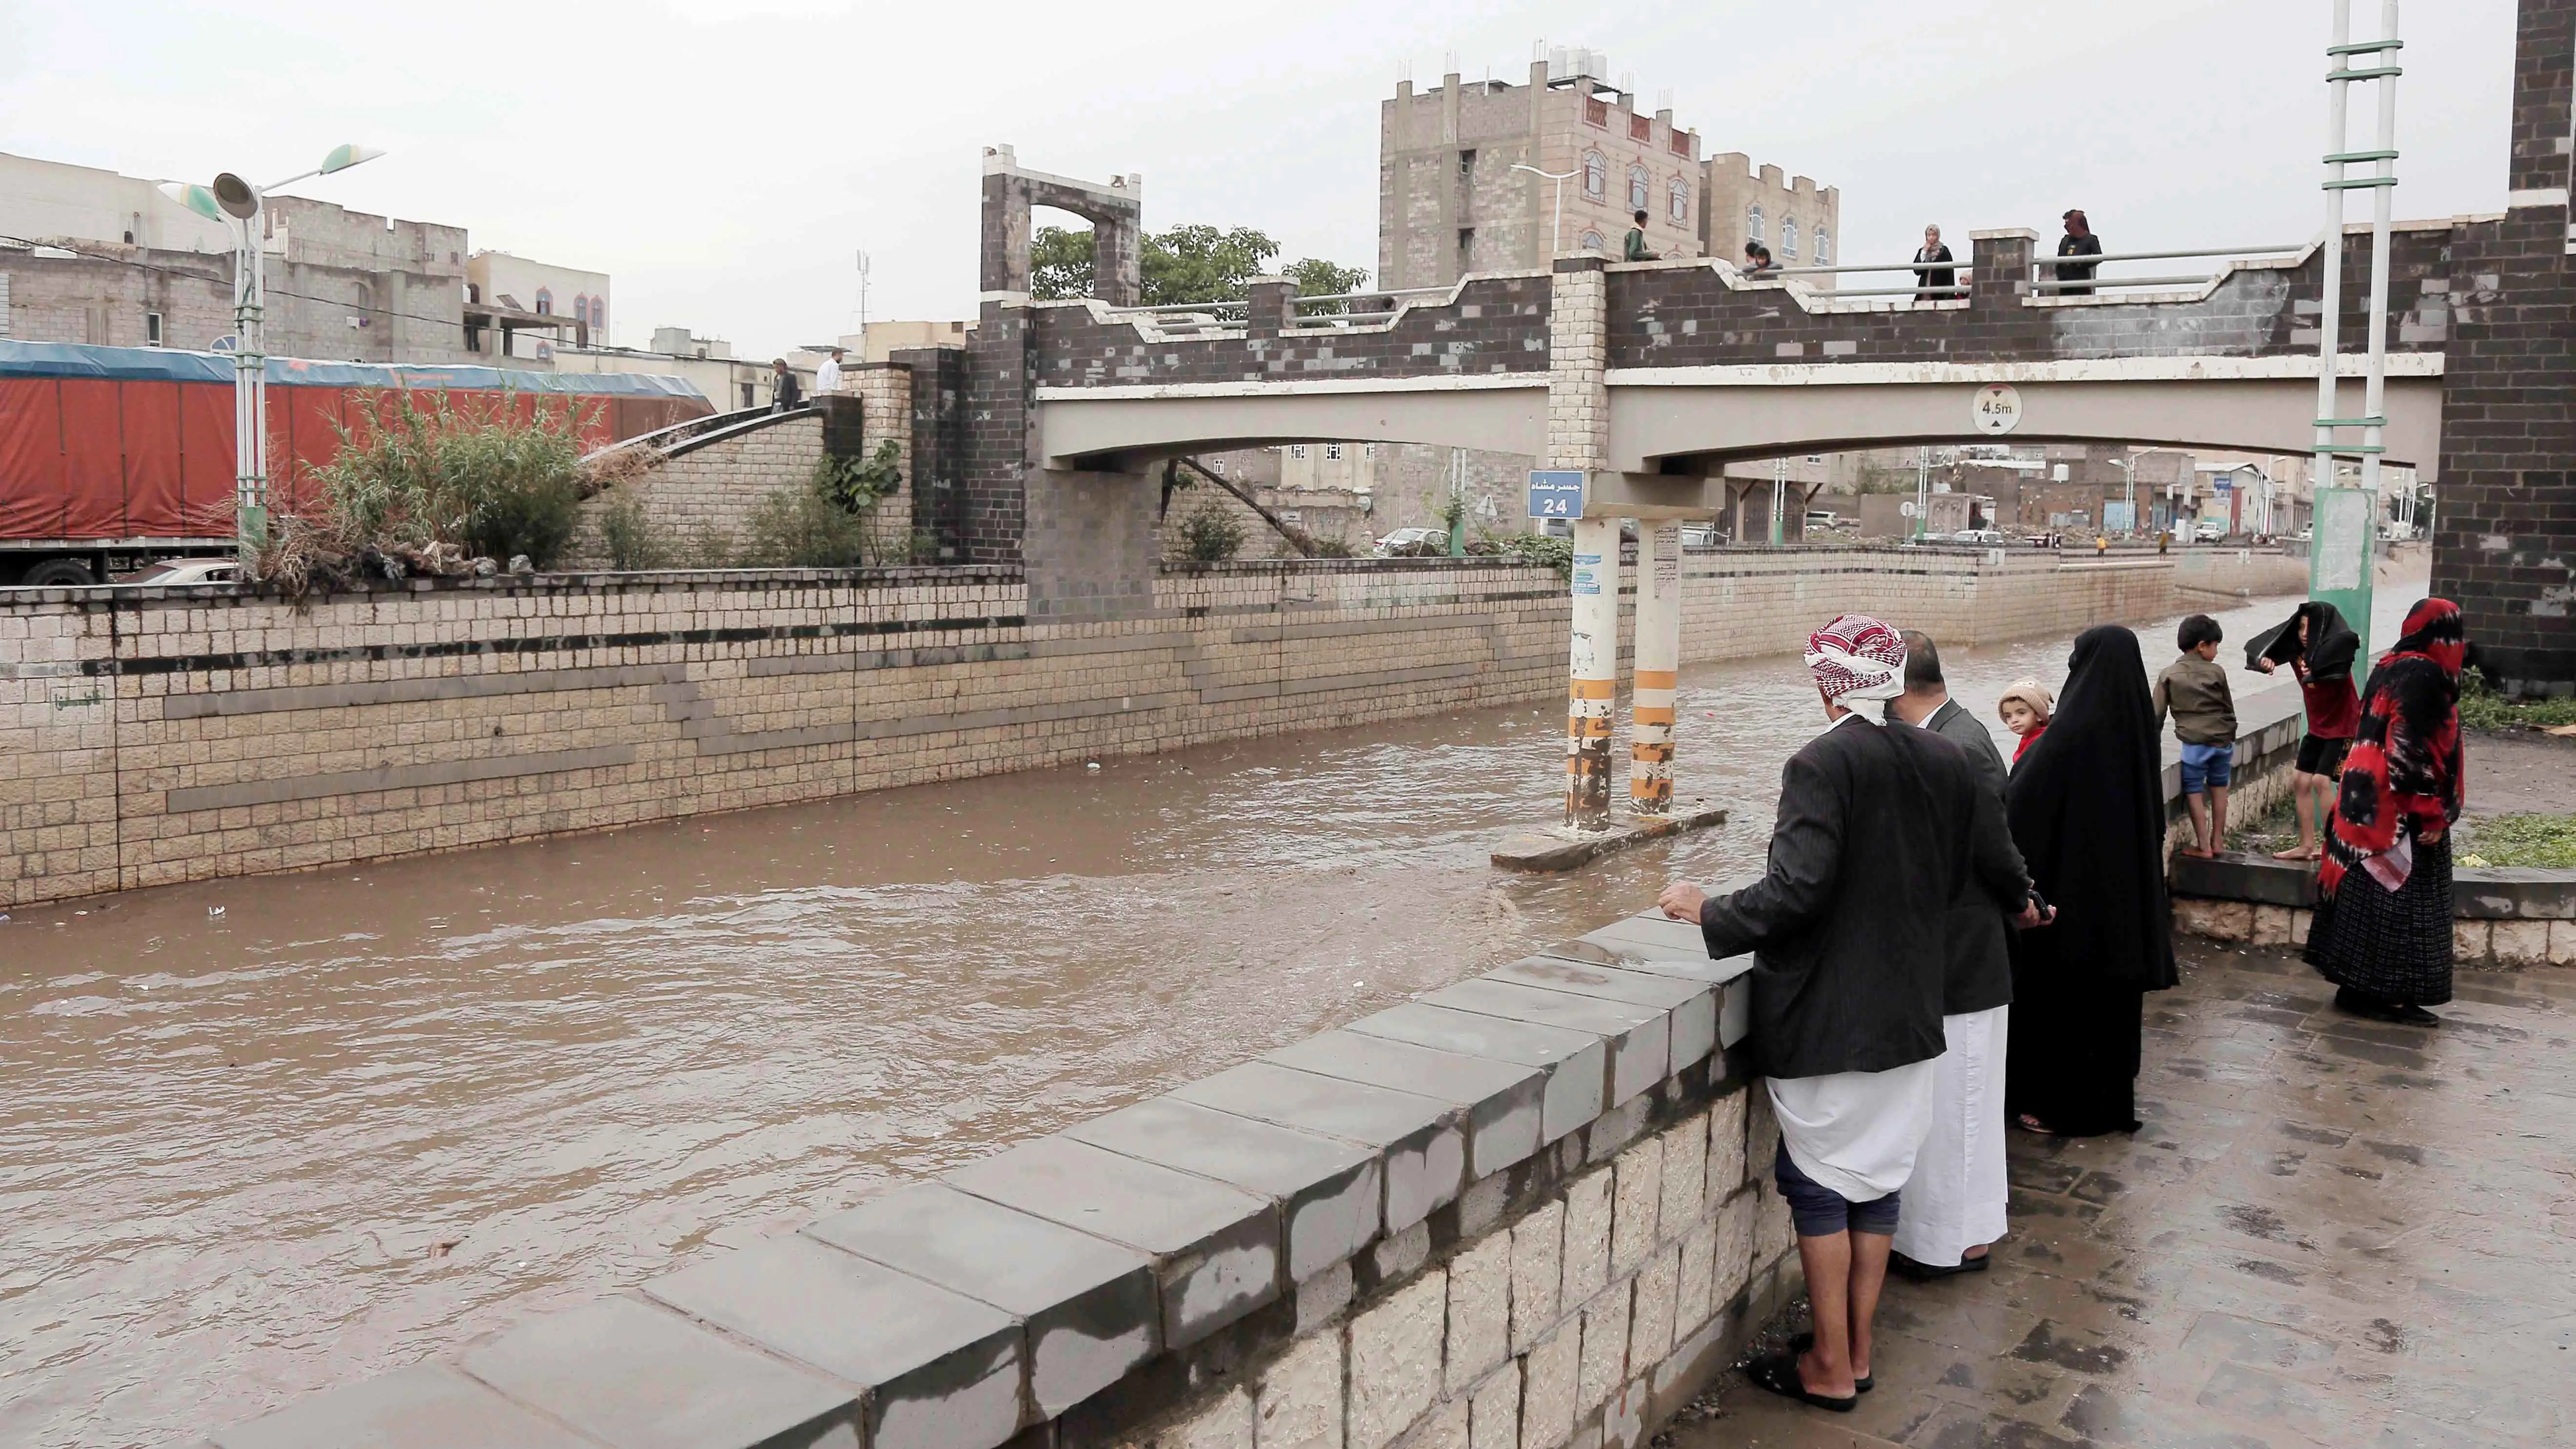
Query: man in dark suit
{"x": 1954, "y": 1204}
{"x": 1880, "y": 831}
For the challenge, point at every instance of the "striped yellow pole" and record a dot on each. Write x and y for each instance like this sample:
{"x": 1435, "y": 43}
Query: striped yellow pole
{"x": 1659, "y": 657}
{"x": 1592, "y": 673}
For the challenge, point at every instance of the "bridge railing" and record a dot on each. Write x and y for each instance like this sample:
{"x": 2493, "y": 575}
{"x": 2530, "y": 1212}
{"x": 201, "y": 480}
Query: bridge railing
{"x": 2043, "y": 271}
{"x": 2044, "y": 278}
{"x": 1208, "y": 316}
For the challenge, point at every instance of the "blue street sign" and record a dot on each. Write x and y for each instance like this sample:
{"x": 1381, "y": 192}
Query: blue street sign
{"x": 1556, "y": 493}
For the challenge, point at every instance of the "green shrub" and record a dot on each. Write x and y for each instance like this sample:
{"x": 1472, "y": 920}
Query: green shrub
{"x": 2546, "y": 841}
{"x": 1540, "y": 549}
{"x": 427, "y": 487}
{"x": 1211, "y": 533}
{"x": 2482, "y": 708}
{"x": 799, "y": 528}
{"x": 858, "y": 485}
{"x": 630, "y": 537}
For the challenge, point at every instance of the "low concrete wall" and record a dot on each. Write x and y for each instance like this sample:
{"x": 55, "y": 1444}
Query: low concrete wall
{"x": 156, "y": 735}
{"x": 1527, "y": 1210}
{"x": 2501, "y": 916}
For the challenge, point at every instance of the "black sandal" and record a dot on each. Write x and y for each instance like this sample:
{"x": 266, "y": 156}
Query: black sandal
{"x": 1806, "y": 1341}
{"x": 1778, "y": 1373}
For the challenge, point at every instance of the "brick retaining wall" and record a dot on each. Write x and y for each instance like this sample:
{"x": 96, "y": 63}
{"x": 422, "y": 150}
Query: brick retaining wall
{"x": 150, "y": 736}
{"x": 1527, "y": 1210}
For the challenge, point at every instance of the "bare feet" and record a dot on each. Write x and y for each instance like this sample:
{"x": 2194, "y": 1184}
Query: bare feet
{"x": 2299, "y": 852}
{"x": 2030, "y": 1123}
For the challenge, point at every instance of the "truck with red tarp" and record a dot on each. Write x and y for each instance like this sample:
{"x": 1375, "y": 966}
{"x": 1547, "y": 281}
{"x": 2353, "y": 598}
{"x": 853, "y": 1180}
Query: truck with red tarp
{"x": 111, "y": 457}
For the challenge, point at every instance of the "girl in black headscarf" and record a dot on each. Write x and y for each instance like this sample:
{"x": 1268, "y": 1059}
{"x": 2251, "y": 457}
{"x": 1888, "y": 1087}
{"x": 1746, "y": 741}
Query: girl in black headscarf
{"x": 2088, "y": 811}
{"x": 2318, "y": 646}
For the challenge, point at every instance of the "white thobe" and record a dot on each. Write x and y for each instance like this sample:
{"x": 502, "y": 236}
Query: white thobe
{"x": 827, "y": 378}
{"x": 1956, "y": 1200}
{"x": 1856, "y": 1133}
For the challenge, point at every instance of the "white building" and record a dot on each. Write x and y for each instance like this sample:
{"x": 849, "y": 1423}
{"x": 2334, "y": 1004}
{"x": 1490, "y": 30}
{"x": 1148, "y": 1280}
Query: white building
{"x": 512, "y": 289}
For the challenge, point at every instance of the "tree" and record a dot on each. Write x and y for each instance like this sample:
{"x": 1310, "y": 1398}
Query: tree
{"x": 1185, "y": 264}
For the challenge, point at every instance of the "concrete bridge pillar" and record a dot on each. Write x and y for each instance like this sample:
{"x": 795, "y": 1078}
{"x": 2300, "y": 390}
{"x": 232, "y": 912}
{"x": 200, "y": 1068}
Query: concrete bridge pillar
{"x": 1999, "y": 263}
{"x": 1090, "y": 551}
{"x": 1578, "y": 436}
{"x": 1659, "y": 658}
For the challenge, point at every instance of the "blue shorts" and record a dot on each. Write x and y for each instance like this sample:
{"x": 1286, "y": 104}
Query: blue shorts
{"x": 2206, "y": 765}
{"x": 1817, "y": 1211}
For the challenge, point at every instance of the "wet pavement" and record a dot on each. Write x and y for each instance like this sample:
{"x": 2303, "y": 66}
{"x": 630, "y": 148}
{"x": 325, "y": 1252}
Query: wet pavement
{"x": 362, "y": 1115}
{"x": 2330, "y": 1232}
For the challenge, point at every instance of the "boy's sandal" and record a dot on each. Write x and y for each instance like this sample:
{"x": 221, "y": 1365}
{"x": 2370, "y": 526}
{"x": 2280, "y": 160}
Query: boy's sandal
{"x": 1778, "y": 1373}
{"x": 1806, "y": 1341}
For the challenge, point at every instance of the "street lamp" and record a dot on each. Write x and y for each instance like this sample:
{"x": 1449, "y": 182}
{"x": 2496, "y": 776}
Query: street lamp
{"x": 2129, "y": 472}
{"x": 1559, "y": 244}
{"x": 236, "y": 203}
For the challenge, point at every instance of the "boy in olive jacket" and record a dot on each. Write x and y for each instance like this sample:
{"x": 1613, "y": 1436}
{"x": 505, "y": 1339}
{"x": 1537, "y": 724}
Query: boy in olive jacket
{"x": 2193, "y": 689}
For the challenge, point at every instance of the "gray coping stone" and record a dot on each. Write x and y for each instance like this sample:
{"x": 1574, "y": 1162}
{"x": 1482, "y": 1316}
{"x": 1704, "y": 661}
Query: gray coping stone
{"x": 1419, "y": 1138}
{"x": 426, "y": 1406}
{"x": 941, "y": 1369}
{"x": 1639, "y": 1037}
{"x": 1693, "y": 1003}
{"x": 1329, "y": 1190}
{"x": 639, "y": 1377}
{"x": 1216, "y": 1248}
{"x": 1502, "y": 1098}
{"x": 1576, "y": 1063}
{"x": 1090, "y": 1309}
{"x": 2239, "y": 876}
{"x": 2513, "y": 892}
{"x": 1616, "y": 945}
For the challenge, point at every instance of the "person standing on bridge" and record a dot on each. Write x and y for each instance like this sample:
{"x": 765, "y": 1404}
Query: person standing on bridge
{"x": 1635, "y": 249}
{"x": 784, "y": 394}
{"x": 827, "y": 378}
{"x": 1757, "y": 260}
{"x": 1954, "y": 1206}
{"x": 1934, "y": 283}
{"x": 2088, "y": 811}
{"x": 1872, "y": 843}
{"x": 2382, "y": 933}
{"x": 2079, "y": 241}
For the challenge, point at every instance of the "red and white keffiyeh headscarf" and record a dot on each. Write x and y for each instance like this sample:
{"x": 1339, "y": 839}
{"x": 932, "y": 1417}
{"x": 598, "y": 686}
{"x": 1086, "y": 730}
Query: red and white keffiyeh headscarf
{"x": 1857, "y": 657}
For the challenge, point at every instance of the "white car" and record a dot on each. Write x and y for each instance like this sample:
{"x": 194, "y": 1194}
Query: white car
{"x": 172, "y": 571}
{"x": 2210, "y": 530}
{"x": 1409, "y": 539}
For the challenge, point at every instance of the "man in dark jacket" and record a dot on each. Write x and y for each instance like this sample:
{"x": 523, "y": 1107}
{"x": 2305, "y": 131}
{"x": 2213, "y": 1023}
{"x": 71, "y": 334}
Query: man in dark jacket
{"x": 1954, "y": 1203}
{"x": 1879, "y": 832}
{"x": 2079, "y": 241}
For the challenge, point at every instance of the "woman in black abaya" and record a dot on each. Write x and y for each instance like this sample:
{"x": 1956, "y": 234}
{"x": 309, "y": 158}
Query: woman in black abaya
{"x": 2087, "y": 810}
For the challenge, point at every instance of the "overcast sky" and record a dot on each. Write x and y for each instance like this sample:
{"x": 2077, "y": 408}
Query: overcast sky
{"x": 724, "y": 161}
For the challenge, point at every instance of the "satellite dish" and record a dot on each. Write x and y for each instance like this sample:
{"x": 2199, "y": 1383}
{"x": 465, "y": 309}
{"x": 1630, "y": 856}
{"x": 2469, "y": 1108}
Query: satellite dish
{"x": 236, "y": 197}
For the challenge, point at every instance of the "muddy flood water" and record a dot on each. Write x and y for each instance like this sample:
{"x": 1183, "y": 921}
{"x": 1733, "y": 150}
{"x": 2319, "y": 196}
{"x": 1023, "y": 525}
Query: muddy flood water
{"x": 260, "y": 1136}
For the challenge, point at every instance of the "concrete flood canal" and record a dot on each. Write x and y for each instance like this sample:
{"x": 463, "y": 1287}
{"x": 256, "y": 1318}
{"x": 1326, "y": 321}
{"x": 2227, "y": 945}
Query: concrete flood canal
{"x": 262, "y": 1135}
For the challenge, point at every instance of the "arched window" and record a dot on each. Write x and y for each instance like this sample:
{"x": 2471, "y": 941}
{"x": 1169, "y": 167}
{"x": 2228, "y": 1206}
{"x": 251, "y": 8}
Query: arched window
{"x": 545, "y": 302}
{"x": 581, "y": 309}
{"x": 599, "y": 314}
{"x": 1596, "y": 175}
{"x": 1681, "y": 201}
{"x": 1592, "y": 242}
{"x": 1753, "y": 223}
{"x": 1639, "y": 185}
{"x": 473, "y": 293}
{"x": 1824, "y": 248}
{"x": 1788, "y": 238}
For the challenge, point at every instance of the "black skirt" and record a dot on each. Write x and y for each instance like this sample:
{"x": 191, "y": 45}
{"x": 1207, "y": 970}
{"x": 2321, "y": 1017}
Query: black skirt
{"x": 2395, "y": 945}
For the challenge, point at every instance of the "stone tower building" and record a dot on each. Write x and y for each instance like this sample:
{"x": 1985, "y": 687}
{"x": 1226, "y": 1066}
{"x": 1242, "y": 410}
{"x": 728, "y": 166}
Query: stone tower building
{"x": 1450, "y": 203}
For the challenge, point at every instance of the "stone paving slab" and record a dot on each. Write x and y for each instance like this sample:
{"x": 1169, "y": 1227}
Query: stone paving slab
{"x": 426, "y": 1406}
{"x": 1216, "y": 1248}
{"x": 1575, "y": 1063}
{"x": 1418, "y": 1138}
{"x": 1329, "y": 1191}
{"x": 1503, "y": 1099}
{"x": 1089, "y": 1309}
{"x": 1639, "y": 1038}
{"x": 1692, "y": 1003}
{"x": 941, "y": 1369}
{"x": 2329, "y": 1232}
{"x": 638, "y": 1377}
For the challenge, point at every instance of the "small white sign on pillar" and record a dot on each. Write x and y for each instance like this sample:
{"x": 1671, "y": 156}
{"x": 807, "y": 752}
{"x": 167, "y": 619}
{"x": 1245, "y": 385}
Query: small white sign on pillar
{"x": 1997, "y": 408}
